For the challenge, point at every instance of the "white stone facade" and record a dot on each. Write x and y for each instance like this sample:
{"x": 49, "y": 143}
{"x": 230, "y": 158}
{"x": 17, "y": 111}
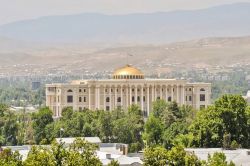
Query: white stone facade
{"x": 112, "y": 93}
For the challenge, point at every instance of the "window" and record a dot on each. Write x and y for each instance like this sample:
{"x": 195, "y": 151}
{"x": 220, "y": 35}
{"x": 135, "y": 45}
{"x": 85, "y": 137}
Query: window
{"x": 111, "y": 90}
{"x": 84, "y": 90}
{"x": 80, "y": 108}
{"x": 190, "y": 98}
{"x": 202, "y": 90}
{"x": 186, "y": 98}
{"x": 133, "y": 98}
{"x": 80, "y": 90}
{"x": 119, "y": 99}
{"x": 107, "y": 99}
{"x": 144, "y": 98}
{"x": 202, "y": 97}
{"x": 69, "y": 90}
{"x": 70, "y": 99}
{"x": 133, "y": 90}
{"x": 107, "y": 108}
{"x": 84, "y": 99}
{"x": 58, "y": 99}
{"x": 138, "y": 98}
{"x": 80, "y": 99}
{"x": 106, "y": 90}
{"x": 190, "y": 89}
{"x": 169, "y": 99}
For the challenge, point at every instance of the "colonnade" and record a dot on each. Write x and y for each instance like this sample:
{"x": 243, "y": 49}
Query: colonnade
{"x": 140, "y": 94}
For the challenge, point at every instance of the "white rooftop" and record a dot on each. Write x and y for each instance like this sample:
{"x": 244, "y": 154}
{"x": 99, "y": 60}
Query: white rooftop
{"x": 70, "y": 140}
{"x": 240, "y": 157}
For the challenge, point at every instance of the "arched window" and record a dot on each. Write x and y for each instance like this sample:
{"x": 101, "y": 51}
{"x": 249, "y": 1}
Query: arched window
{"x": 202, "y": 90}
{"x": 107, "y": 99}
{"x": 69, "y": 90}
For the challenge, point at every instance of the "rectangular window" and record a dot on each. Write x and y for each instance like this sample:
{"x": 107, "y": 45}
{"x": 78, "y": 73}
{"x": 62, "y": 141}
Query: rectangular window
{"x": 190, "y": 98}
{"x": 80, "y": 90}
{"x": 70, "y": 99}
{"x": 84, "y": 99}
{"x": 107, "y": 108}
{"x": 80, "y": 99}
{"x": 138, "y": 98}
{"x": 202, "y": 97}
{"x": 144, "y": 98}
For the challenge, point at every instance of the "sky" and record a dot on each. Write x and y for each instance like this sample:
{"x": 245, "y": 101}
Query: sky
{"x": 15, "y": 10}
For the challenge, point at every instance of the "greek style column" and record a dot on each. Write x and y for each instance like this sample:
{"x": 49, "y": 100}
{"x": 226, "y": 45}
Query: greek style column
{"x": 136, "y": 95}
{"x": 89, "y": 91}
{"x": 166, "y": 93}
{"x": 148, "y": 100}
{"x": 197, "y": 98}
{"x": 152, "y": 93}
{"x": 142, "y": 98}
{"x": 98, "y": 97}
{"x": 115, "y": 96}
{"x": 161, "y": 92}
{"x": 130, "y": 95}
{"x": 183, "y": 95}
{"x": 172, "y": 92}
{"x": 110, "y": 99}
{"x": 127, "y": 89}
{"x": 206, "y": 97}
{"x": 121, "y": 95}
{"x": 104, "y": 98}
{"x": 177, "y": 94}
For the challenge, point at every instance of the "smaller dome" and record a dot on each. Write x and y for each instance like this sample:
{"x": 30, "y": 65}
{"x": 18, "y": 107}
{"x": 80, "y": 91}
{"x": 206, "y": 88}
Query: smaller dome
{"x": 128, "y": 72}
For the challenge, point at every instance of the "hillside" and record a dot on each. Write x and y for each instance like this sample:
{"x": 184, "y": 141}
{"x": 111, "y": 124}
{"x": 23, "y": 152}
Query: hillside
{"x": 202, "y": 53}
{"x": 161, "y": 27}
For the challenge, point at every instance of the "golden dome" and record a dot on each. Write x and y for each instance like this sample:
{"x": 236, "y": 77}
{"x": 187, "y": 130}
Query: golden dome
{"x": 128, "y": 72}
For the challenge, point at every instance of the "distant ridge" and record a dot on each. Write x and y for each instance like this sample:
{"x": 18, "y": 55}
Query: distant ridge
{"x": 161, "y": 27}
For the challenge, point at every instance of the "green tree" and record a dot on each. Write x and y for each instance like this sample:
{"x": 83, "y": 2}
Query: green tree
{"x": 218, "y": 159}
{"x": 40, "y": 120}
{"x": 153, "y": 131}
{"x": 82, "y": 153}
{"x": 9, "y": 158}
{"x": 40, "y": 156}
{"x": 157, "y": 156}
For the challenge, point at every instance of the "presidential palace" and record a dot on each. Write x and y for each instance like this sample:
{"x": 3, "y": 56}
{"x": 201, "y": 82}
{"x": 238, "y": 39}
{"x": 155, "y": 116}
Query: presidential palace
{"x": 126, "y": 87}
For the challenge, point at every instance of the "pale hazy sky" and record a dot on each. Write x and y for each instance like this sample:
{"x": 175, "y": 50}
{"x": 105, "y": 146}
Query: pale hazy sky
{"x": 13, "y": 10}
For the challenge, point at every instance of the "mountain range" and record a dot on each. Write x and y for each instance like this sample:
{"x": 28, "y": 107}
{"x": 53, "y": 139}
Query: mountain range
{"x": 160, "y": 27}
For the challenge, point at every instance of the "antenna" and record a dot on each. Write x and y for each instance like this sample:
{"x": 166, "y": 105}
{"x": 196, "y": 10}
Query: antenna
{"x": 128, "y": 55}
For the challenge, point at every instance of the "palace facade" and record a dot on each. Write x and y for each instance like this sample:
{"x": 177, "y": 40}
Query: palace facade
{"x": 127, "y": 86}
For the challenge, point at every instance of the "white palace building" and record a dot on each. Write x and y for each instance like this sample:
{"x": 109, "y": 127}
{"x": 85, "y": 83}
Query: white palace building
{"x": 127, "y": 86}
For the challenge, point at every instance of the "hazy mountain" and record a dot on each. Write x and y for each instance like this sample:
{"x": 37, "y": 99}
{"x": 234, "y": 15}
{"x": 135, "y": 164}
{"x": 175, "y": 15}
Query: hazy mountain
{"x": 226, "y": 20}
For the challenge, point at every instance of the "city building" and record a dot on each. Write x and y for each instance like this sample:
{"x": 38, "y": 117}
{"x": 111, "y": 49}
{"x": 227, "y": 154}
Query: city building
{"x": 127, "y": 86}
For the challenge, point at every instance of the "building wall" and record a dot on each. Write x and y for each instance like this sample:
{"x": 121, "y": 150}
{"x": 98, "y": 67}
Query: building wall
{"x": 93, "y": 95}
